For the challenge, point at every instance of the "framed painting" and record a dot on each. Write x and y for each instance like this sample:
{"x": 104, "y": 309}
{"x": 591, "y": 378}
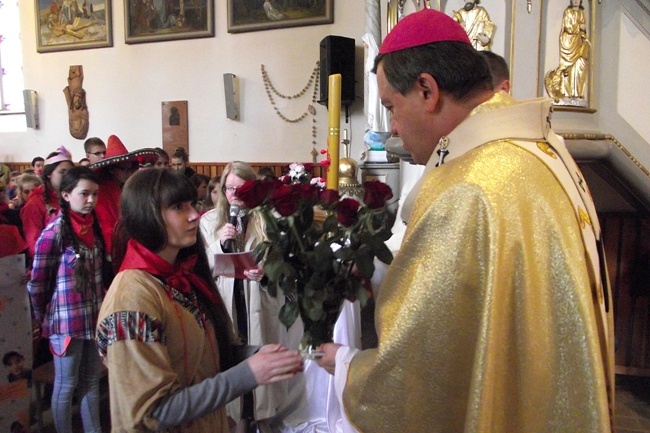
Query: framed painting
{"x": 167, "y": 20}
{"x": 73, "y": 25}
{"x": 254, "y": 15}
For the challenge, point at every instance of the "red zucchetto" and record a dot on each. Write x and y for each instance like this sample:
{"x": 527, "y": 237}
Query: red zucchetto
{"x": 421, "y": 28}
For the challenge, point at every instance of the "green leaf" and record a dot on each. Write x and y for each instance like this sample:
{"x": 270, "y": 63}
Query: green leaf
{"x": 272, "y": 288}
{"x": 273, "y": 269}
{"x": 361, "y": 295}
{"x": 384, "y": 235}
{"x": 289, "y": 313}
{"x": 364, "y": 261}
{"x": 345, "y": 254}
{"x": 323, "y": 256}
{"x": 260, "y": 249}
{"x": 381, "y": 250}
{"x": 331, "y": 224}
{"x": 313, "y": 307}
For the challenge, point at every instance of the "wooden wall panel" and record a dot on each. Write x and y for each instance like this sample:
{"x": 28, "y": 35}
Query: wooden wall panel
{"x": 213, "y": 168}
{"x": 627, "y": 245}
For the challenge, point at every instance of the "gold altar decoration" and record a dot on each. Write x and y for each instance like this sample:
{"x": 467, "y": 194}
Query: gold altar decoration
{"x": 334, "y": 123}
{"x": 348, "y": 171}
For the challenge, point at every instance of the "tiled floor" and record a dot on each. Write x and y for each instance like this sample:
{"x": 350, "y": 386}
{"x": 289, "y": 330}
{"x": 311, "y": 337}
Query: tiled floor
{"x": 632, "y": 408}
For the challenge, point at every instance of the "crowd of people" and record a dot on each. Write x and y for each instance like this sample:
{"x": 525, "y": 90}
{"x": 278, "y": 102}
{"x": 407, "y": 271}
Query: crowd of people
{"x": 494, "y": 315}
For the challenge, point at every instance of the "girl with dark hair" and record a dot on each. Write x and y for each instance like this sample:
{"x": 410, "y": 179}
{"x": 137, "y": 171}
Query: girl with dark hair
{"x": 164, "y": 318}
{"x": 179, "y": 162}
{"x": 200, "y": 182}
{"x": 212, "y": 193}
{"x": 43, "y": 203}
{"x": 67, "y": 289}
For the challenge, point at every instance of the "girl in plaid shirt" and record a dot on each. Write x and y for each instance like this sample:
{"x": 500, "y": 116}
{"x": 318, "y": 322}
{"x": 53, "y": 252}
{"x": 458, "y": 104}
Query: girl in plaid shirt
{"x": 67, "y": 289}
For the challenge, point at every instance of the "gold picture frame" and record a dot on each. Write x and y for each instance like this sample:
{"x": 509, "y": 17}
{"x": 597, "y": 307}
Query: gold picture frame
{"x": 64, "y": 25}
{"x": 162, "y": 20}
{"x": 248, "y": 16}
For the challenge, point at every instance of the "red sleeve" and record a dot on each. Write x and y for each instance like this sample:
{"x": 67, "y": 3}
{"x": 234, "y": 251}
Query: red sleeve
{"x": 33, "y": 216}
{"x": 108, "y": 210}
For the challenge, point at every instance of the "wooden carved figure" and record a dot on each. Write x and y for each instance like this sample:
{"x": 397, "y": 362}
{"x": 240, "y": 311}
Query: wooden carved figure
{"x": 75, "y": 96}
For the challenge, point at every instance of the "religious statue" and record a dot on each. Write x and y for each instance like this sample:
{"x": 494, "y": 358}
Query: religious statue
{"x": 75, "y": 96}
{"x": 566, "y": 84}
{"x": 476, "y": 22}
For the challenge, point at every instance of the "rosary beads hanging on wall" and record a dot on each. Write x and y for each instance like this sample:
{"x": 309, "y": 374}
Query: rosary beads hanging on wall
{"x": 311, "y": 109}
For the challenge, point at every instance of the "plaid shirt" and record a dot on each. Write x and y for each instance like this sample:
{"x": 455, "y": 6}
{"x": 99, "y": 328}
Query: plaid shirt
{"x": 59, "y": 307}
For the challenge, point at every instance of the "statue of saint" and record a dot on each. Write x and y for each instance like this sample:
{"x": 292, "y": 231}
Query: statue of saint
{"x": 476, "y": 22}
{"x": 569, "y": 79}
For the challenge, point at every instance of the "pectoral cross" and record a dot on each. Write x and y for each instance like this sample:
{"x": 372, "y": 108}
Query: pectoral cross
{"x": 442, "y": 152}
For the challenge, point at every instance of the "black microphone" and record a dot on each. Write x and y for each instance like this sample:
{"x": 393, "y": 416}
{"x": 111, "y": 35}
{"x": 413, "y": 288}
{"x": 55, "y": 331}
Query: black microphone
{"x": 232, "y": 219}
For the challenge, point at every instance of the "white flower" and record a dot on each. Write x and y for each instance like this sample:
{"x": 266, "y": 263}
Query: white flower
{"x": 319, "y": 182}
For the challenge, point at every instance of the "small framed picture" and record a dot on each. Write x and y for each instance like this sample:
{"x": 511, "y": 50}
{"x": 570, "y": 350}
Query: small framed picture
{"x": 163, "y": 20}
{"x": 174, "y": 125}
{"x": 73, "y": 25}
{"x": 250, "y": 16}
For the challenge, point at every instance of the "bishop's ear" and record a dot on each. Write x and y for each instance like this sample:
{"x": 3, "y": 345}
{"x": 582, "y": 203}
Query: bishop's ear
{"x": 428, "y": 87}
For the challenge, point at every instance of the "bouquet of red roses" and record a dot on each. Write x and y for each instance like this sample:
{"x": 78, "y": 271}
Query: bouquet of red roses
{"x": 318, "y": 265}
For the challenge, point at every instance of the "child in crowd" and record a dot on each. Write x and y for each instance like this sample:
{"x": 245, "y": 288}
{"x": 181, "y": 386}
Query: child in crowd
{"x": 13, "y": 184}
{"x": 38, "y": 164}
{"x": 95, "y": 149}
{"x": 200, "y": 181}
{"x": 163, "y": 158}
{"x": 67, "y": 290}
{"x": 179, "y": 162}
{"x": 8, "y": 212}
{"x": 164, "y": 318}
{"x": 26, "y": 184}
{"x": 117, "y": 166}
{"x": 43, "y": 204}
{"x": 212, "y": 193}
{"x": 14, "y": 362}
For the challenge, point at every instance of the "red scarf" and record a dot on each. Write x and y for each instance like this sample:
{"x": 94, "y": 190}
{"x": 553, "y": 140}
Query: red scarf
{"x": 82, "y": 225}
{"x": 179, "y": 276}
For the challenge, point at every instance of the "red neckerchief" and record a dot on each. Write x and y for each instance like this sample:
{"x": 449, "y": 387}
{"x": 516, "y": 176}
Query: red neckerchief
{"x": 82, "y": 225}
{"x": 179, "y": 276}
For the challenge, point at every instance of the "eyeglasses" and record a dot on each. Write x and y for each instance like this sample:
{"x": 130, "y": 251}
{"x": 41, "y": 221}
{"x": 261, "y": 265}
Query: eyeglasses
{"x": 230, "y": 189}
{"x": 100, "y": 153}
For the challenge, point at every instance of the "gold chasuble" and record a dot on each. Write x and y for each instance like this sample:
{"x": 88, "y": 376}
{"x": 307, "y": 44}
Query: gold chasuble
{"x": 493, "y": 316}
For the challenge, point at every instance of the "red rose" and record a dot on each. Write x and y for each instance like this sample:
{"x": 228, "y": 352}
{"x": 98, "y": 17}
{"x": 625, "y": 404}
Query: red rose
{"x": 329, "y": 197}
{"x": 254, "y": 192}
{"x": 346, "y": 211}
{"x": 286, "y": 179}
{"x": 309, "y": 167}
{"x": 285, "y": 199}
{"x": 308, "y": 192}
{"x": 376, "y": 194}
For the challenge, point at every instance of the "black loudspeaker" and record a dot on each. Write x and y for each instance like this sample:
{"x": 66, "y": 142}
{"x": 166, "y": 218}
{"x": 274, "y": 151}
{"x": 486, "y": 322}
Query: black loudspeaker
{"x": 337, "y": 57}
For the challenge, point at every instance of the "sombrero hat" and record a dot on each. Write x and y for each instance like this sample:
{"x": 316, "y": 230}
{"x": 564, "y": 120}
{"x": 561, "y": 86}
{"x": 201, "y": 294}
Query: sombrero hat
{"x": 116, "y": 153}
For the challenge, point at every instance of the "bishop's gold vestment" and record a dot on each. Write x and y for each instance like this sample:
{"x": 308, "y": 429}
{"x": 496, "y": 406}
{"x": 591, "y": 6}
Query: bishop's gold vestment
{"x": 491, "y": 317}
